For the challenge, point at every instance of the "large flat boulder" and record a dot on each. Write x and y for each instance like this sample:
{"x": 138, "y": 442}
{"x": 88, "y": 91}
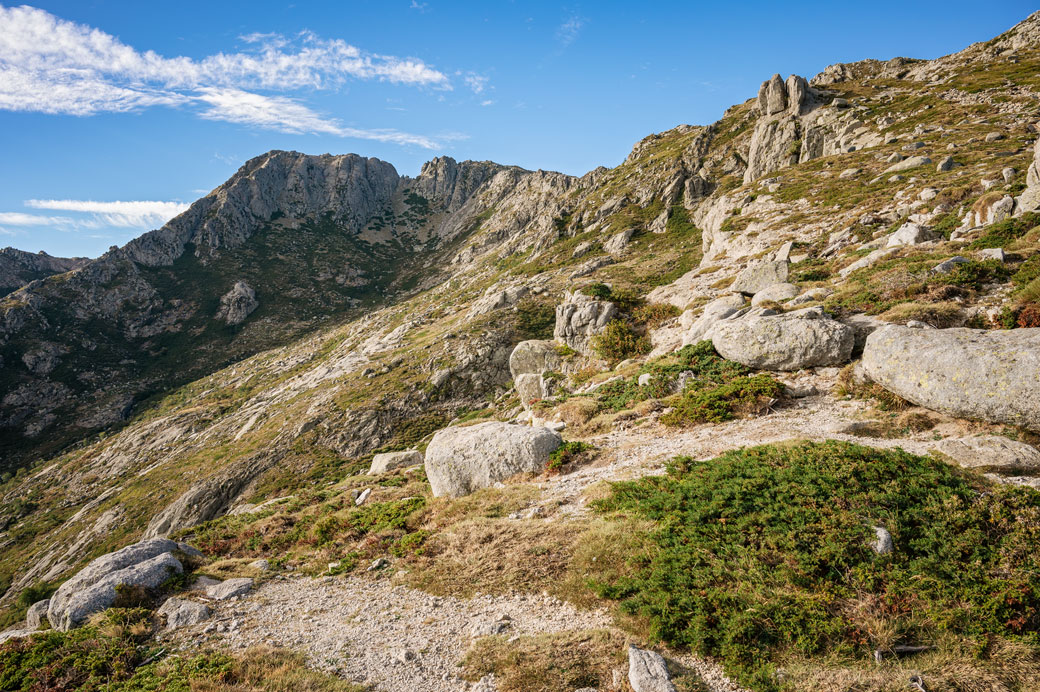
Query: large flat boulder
{"x": 461, "y": 460}
{"x": 388, "y": 461}
{"x": 991, "y": 452}
{"x": 146, "y": 564}
{"x": 971, "y": 373}
{"x": 784, "y": 342}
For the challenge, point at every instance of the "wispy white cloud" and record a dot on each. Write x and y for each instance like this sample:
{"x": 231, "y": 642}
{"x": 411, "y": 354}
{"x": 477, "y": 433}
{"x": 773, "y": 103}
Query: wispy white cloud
{"x": 476, "y": 82}
{"x": 288, "y": 115}
{"x": 17, "y": 218}
{"x": 487, "y": 102}
{"x": 420, "y": 6}
{"x": 129, "y": 214}
{"x": 50, "y": 65}
{"x": 568, "y": 31}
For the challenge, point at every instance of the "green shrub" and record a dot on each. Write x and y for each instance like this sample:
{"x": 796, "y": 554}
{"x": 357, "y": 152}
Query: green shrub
{"x": 599, "y": 291}
{"x": 653, "y": 315}
{"x": 766, "y": 552}
{"x": 739, "y": 396}
{"x": 619, "y": 341}
{"x": 565, "y": 454}
{"x": 535, "y": 318}
{"x": 1003, "y": 233}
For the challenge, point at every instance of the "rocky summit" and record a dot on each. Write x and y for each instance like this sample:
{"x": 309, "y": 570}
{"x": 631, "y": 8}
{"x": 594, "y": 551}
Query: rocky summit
{"x": 756, "y": 409}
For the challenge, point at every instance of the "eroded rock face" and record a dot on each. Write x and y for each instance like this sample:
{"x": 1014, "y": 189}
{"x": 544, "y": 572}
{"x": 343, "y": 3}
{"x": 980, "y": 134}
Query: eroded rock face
{"x": 783, "y": 342}
{"x": 972, "y": 373}
{"x": 464, "y": 459}
{"x": 579, "y": 318}
{"x": 237, "y": 304}
{"x": 146, "y": 564}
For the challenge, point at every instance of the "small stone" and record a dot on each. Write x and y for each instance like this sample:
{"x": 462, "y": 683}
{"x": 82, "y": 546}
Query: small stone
{"x": 644, "y": 379}
{"x": 883, "y": 542}
{"x": 647, "y": 671}
{"x": 262, "y": 565}
{"x": 229, "y": 589}
{"x": 947, "y": 266}
{"x": 946, "y": 164}
{"x": 993, "y": 253}
{"x": 363, "y": 496}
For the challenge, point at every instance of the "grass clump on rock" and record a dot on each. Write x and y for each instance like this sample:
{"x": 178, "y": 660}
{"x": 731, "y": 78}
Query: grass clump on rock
{"x": 764, "y": 556}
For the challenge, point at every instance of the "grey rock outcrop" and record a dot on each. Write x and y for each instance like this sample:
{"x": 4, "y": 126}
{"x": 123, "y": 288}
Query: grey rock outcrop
{"x": 908, "y": 234}
{"x": 618, "y": 242}
{"x": 237, "y": 304}
{"x": 579, "y": 318}
{"x": 530, "y": 387}
{"x": 535, "y": 357}
{"x": 883, "y": 544}
{"x": 783, "y": 342}
{"x": 776, "y": 96}
{"x": 146, "y": 564}
{"x": 716, "y": 310}
{"x": 761, "y": 275}
{"x": 972, "y": 373}
{"x": 908, "y": 163}
{"x": 36, "y": 614}
{"x": 208, "y": 498}
{"x": 388, "y": 461}
{"x": 461, "y": 460}
{"x": 647, "y": 671}
{"x": 1029, "y": 200}
{"x": 777, "y": 293}
{"x": 179, "y": 613}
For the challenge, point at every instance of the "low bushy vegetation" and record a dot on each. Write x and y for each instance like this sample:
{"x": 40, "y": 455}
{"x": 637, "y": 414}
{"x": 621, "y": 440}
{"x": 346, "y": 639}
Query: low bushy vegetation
{"x": 566, "y": 454}
{"x": 619, "y": 341}
{"x": 114, "y": 654}
{"x": 764, "y": 555}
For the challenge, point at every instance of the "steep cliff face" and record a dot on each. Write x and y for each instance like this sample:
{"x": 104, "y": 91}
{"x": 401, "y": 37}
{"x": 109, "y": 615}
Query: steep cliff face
{"x": 18, "y": 268}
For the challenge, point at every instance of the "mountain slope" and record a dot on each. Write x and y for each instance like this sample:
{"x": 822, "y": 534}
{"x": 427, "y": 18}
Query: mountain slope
{"x": 467, "y": 260}
{"x": 315, "y": 238}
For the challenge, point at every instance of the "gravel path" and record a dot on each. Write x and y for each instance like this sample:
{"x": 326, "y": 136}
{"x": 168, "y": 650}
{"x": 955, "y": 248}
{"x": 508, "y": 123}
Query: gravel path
{"x": 394, "y": 638}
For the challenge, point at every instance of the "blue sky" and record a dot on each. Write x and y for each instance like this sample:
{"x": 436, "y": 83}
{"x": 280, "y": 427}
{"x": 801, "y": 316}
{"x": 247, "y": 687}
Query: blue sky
{"x": 114, "y": 115}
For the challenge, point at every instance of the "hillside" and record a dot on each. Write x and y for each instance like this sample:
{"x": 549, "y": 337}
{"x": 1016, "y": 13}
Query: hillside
{"x": 832, "y": 293}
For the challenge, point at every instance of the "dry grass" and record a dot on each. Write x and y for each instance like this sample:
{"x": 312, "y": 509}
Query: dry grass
{"x": 1005, "y": 667}
{"x": 938, "y": 315}
{"x": 849, "y": 385}
{"x": 578, "y": 411}
{"x": 495, "y": 556}
{"x": 550, "y": 662}
{"x": 273, "y": 670}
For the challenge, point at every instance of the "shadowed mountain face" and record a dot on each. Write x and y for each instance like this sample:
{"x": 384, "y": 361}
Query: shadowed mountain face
{"x": 18, "y": 268}
{"x": 306, "y": 240}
